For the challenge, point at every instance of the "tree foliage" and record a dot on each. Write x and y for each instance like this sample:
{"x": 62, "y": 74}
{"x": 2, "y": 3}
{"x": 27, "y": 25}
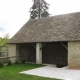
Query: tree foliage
{"x": 3, "y": 41}
{"x": 39, "y": 9}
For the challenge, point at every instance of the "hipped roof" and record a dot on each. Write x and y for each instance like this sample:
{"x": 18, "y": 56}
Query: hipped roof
{"x": 57, "y": 28}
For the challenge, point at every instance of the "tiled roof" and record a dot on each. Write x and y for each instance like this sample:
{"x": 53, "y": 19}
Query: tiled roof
{"x": 57, "y": 28}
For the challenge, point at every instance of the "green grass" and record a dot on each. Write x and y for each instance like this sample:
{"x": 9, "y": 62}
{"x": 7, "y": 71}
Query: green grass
{"x": 12, "y": 72}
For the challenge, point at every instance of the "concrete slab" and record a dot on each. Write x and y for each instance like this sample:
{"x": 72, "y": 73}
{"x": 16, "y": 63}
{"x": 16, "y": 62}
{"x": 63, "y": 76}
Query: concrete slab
{"x": 53, "y": 72}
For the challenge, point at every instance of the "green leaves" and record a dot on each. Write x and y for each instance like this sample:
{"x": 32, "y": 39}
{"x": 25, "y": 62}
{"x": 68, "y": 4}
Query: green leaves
{"x": 4, "y": 40}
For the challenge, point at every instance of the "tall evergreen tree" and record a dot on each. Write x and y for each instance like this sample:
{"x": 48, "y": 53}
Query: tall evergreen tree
{"x": 39, "y": 9}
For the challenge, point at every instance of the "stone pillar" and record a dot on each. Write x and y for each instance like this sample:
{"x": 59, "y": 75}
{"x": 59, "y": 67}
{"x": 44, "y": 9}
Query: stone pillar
{"x": 74, "y": 54}
{"x": 17, "y": 52}
{"x": 12, "y": 51}
{"x": 38, "y": 53}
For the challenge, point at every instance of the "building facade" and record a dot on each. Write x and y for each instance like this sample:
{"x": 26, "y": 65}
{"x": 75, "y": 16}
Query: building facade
{"x": 51, "y": 40}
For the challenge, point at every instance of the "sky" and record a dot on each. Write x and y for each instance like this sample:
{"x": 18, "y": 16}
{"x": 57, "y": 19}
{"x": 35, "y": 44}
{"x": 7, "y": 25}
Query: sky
{"x": 15, "y": 13}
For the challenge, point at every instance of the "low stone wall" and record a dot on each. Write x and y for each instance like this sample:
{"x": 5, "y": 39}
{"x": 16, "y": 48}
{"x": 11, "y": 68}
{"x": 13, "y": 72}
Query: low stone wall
{"x": 73, "y": 54}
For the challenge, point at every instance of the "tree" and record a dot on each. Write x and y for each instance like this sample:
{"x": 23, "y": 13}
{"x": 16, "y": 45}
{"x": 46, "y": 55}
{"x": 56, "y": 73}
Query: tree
{"x": 3, "y": 41}
{"x": 39, "y": 9}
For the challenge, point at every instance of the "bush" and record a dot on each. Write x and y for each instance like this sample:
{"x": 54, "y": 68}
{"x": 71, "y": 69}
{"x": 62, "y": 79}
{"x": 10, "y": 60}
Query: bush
{"x": 23, "y": 61}
{"x": 16, "y": 62}
{"x": 1, "y": 64}
{"x": 9, "y": 63}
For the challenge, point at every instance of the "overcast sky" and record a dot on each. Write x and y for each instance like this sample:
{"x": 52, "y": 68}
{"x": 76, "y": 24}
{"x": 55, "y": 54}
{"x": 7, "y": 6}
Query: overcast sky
{"x": 15, "y": 13}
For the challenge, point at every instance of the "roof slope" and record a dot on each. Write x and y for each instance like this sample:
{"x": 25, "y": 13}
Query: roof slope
{"x": 57, "y": 28}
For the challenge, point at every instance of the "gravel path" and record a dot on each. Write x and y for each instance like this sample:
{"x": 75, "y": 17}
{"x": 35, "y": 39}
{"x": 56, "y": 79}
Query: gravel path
{"x": 53, "y": 72}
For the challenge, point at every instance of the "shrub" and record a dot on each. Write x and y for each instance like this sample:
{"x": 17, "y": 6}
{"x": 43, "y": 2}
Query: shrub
{"x": 9, "y": 63}
{"x": 23, "y": 61}
{"x": 16, "y": 62}
{"x": 1, "y": 64}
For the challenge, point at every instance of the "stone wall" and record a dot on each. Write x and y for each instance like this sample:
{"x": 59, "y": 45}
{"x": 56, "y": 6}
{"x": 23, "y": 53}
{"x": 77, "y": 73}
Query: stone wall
{"x": 74, "y": 54}
{"x": 12, "y": 52}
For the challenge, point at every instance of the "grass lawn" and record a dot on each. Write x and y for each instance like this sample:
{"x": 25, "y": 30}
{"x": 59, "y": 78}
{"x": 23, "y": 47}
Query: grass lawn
{"x": 12, "y": 72}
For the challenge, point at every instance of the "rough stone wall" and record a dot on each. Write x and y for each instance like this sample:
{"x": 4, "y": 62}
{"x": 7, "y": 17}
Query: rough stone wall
{"x": 12, "y": 52}
{"x": 74, "y": 54}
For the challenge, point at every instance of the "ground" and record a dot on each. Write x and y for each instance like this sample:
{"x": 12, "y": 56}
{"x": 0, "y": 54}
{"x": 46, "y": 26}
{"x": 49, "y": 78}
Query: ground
{"x": 12, "y": 72}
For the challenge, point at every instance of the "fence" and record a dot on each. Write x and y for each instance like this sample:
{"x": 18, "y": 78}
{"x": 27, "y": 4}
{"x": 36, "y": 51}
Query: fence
{"x": 12, "y": 58}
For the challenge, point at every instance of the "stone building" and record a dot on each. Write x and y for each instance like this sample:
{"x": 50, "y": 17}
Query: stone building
{"x": 50, "y": 40}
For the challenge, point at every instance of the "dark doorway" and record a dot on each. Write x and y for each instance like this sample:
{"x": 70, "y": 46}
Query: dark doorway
{"x": 55, "y": 53}
{"x": 28, "y": 52}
